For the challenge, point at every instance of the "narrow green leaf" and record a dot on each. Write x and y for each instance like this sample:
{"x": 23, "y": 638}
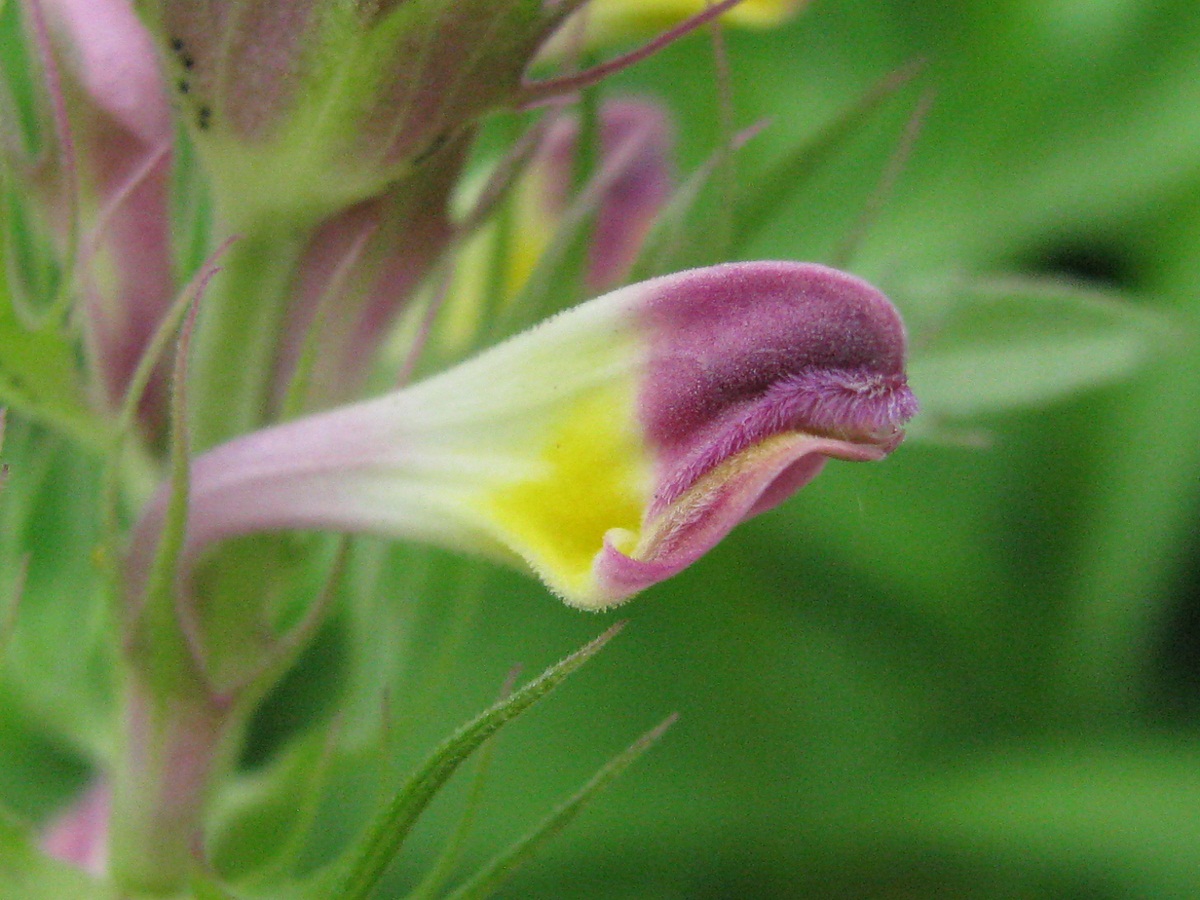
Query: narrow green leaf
{"x": 672, "y": 243}
{"x": 490, "y": 879}
{"x": 120, "y": 468}
{"x": 53, "y": 312}
{"x": 439, "y": 873}
{"x": 10, "y": 605}
{"x": 22, "y": 109}
{"x": 39, "y": 375}
{"x": 264, "y": 818}
{"x": 11, "y": 600}
{"x": 206, "y": 889}
{"x": 762, "y": 202}
{"x": 191, "y": 204}
{"x": 989, "y": 347}
{"x": 721, "y": 233}
{"x": 175, "y": 319}
{"x": 32, "y": 268}
{"x": 1126, "y": 800}
{"x": 57, "y": 630}
{"x": 888, "y": 178}
{"x": 158, "y": 599}
{"x": 164, "y": 650}
{"x": 384, "y": 837}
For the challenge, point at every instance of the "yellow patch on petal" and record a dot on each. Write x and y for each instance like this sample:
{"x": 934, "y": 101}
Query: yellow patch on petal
{"x": 594, "y": 476}
{"x": 613, "y": 19}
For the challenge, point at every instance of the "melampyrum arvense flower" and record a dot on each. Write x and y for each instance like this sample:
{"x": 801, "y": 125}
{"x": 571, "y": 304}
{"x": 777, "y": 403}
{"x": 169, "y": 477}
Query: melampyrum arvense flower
{"x": 604, "y": 450}
{"x": 608, "y": 448}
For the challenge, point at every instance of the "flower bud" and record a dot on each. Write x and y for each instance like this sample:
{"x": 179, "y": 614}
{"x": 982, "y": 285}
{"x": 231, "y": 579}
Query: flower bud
{"x": 634, "y": 178}
{"x": 306, "y": 108}
{"x": 79, "y": 835}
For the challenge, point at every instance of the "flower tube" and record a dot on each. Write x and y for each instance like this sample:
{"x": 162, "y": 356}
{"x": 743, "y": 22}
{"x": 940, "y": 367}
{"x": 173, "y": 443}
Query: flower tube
{"x": 608, "y": 448}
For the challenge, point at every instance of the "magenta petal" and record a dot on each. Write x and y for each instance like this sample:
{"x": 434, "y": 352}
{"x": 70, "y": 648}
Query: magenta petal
{"x": 746, "y": 351}
{"x": 79, "y": 835}
{"x": 113, "y": 58}
{"x": 679, "y": 534}
{"x": 758, "y": 373}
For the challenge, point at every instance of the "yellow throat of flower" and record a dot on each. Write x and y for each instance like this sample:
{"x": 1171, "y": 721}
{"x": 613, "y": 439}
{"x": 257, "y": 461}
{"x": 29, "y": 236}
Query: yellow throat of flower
{"x": 593, "y": 476}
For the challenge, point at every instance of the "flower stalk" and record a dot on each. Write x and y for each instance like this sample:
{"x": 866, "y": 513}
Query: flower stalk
{"x": 175, "y": 749}
{"x": 234, "y": 357}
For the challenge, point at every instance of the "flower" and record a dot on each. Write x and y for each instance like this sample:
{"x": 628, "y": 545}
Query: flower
{"x": 314, "y": 151}
{"x": 608, "y": 448}
{"x": 306, "y": 108}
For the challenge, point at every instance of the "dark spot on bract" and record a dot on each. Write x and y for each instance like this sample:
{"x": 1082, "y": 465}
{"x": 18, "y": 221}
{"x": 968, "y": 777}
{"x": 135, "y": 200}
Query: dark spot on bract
{"x": 204, "y": 117}
{"x": 434, "y": 146}
{"x": 184, "y": 86}
{"x": 176, "y": 44}
{"x": 187, "y": 60}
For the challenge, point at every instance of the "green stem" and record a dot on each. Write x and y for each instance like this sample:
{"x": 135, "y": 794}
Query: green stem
{"x": 235, "y": 352}
{"x": 174, "y": 747}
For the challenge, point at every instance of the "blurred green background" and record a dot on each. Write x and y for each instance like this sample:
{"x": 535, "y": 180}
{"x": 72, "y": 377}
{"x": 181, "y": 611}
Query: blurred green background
{"x": 972, "y": 671}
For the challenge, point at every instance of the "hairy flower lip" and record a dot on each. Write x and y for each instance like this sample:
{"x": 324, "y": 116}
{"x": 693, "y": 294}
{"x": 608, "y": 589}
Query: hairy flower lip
{"x": 859, "y": 412}
{"x": 843, "y": 444}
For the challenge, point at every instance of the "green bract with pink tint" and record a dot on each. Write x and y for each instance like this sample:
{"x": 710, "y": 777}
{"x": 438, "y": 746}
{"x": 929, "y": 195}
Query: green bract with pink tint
{"x": 607, "y": 448}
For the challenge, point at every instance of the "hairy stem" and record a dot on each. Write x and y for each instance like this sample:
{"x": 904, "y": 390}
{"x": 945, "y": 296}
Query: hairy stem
{"x": 235, "y": 349}
{"x": 175, "y": 745}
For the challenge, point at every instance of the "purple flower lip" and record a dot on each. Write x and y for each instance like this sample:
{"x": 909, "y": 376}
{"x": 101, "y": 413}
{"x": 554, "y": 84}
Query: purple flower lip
{"x": 858, "y": 411}
{"x": 752, "y": 352}
{"x": 858, "y": 405}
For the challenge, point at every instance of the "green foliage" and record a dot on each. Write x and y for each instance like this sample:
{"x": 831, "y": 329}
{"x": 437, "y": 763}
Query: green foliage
{"x": 56, "y": 657}
{"x": 367, "y": 862}
{"x": 502, "y": 867}
{"x": 38, "y": 372}
{"x": 983, "y": 348}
